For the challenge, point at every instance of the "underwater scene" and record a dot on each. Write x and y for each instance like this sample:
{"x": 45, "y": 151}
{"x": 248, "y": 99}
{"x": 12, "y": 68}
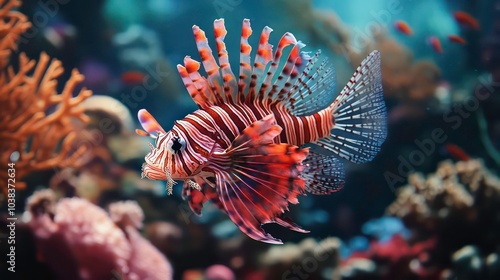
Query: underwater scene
{"x": 232, "y": 139}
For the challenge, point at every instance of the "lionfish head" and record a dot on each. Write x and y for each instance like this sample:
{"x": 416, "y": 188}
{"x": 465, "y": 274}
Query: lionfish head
{"x": 175, "y": 155}
{"x": 164, "y": 161}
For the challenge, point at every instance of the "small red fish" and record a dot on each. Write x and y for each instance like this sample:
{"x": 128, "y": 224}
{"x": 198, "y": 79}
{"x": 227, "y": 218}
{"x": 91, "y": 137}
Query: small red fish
{"x": 467, "y": 20}
{"x": 436, "y": 44}
{"x": 456, "y": 152}
{"x": 456, "y": 39}
{"x": 133, "y": 77}
{"x": 243, "y": 149}
{"x": 403, "y": 27}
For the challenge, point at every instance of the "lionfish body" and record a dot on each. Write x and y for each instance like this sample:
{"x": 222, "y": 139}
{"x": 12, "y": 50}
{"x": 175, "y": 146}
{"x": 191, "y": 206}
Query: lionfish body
{"x": 245, "y": 150}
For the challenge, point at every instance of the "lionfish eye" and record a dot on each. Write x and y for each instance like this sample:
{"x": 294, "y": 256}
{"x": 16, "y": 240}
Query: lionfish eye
{"x": 177, "y": 145}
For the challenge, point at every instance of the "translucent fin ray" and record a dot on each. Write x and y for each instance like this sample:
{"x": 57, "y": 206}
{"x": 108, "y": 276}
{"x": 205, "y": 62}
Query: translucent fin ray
{"x": 313, "y": 89}
{"x": 323, "y": 174}
{"x": 359, "y": 114}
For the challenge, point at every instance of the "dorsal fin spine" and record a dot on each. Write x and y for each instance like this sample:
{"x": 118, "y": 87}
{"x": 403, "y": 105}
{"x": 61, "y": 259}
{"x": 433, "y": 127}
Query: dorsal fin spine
{"x": 262, "y": 58}
{"x": 286, "y": 40}
{"x": 192, "y": 67}
{"x": 209, "y": 63}
{"x": 286, "y": 78}
{"x": 230, "y": 86}
{"x": 197, "y": 97}
{"x": 278, "y": 76}
{"x": 245, "y": 67}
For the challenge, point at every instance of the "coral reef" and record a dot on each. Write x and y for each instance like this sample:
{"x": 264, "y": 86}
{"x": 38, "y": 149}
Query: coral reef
{"x": 12, "y": 25}
{"x": 37, "y": 124}
{"x": 307, "y": 260}
{"x": 114, "y": 154}
{"x": 90, "y": 243}
{"x": 391, "y": 259}
{"x": 443, "y": 226}
{"x": 453, "y": 219}
{"x": 459, "y": 206}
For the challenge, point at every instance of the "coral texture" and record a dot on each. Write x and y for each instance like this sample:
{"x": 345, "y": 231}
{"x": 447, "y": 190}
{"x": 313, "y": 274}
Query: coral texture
{"x": 307, "y": 260}
{"x": 90, "y": 243}
{"x": 458, "y": 206}
{"x": 37, "y": 124}
{"x": 453, "y": 219}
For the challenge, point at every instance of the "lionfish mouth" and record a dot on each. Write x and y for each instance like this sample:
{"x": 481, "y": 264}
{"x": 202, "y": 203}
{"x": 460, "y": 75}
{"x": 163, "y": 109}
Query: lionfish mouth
{"x": 151, "y": 169}
{"x": 155, "y": 171}
{"x": 152, "y": 172}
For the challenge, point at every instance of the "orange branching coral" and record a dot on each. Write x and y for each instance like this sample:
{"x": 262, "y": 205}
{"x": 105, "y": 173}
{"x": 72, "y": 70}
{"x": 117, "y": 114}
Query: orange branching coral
{"x": 12, "y": 25}
{"x": 35, "y": 121}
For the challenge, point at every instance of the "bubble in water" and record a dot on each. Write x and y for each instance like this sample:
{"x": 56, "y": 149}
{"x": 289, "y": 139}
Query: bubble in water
{"x": 14, "y": 157}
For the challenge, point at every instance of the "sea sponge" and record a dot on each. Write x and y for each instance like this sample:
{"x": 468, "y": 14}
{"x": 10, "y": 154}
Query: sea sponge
{"x": 126, "y": 213}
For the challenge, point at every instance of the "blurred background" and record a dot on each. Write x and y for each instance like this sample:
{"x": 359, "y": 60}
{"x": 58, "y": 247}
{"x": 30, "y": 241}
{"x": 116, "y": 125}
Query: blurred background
{"x": 441, "y": 78}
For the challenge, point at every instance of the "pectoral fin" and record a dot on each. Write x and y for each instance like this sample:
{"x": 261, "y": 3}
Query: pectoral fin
{"x": 257, "y": 179}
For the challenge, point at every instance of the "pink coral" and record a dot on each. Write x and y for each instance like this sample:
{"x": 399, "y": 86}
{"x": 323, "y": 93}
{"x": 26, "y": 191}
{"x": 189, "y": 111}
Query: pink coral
{"x": 146, "y": 262}
{"x": 82, "y": 236}
{"x": 219, "y": 272}
{"x": 98, "y": 244}
{"x": 126, "y": 213}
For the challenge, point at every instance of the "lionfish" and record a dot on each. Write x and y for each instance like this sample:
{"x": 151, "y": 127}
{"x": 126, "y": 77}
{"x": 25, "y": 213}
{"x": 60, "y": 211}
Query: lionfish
{"x": 255, "y": 144}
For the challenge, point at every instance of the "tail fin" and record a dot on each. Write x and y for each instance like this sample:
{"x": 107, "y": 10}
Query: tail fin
{"x": 359, "y": 115}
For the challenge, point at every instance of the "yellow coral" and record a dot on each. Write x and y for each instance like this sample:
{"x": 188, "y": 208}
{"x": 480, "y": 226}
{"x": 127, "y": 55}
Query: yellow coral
{"x": 35, "y": 120}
